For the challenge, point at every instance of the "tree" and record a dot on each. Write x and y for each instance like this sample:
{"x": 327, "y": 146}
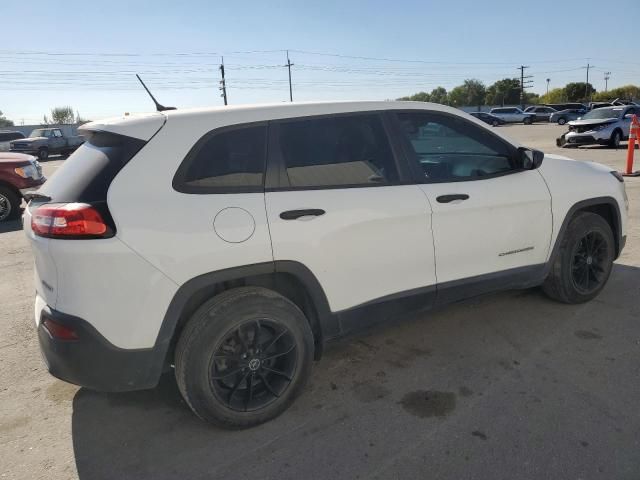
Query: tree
{"x": 439, "y": 95}
{"x": 471, "y": 92}
{"x": 60, "y": 116}
{"x": 626, "y": 92}
{"x": 556, "y": 95}
{"x": 5, "y": 122}
{"x": 417, "y": 97}
{"x": 579, "y": 91}
{"x": 504, "y": 92}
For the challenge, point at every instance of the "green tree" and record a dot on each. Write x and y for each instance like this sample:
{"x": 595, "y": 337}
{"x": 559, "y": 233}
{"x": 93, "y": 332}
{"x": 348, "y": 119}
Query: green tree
{"x": 5, "y": 122}
{"x": 503, "y": 92}
{"x": 60, "y": 116}
{"x": 626, "y": 92}
{"x": 470, "y": 93}
{"x": 417, "y": 97}
{"x": 439, "y": 95}
{"x": 579, "y": 91}
{"x": 556, "y": 95}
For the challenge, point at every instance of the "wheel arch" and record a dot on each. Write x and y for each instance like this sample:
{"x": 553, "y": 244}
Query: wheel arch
{"x": 10, "y": 187}
{"x": 290, "y": 279}
{"x": 606, "y": 207}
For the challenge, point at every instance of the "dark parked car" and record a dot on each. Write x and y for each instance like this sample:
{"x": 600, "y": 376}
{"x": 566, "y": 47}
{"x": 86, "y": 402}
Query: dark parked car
{"x": 566, "y": 106}
{"x": 564, "y": 116}
{"x": 6, "y": 136}
{"x": 47, "y": 141}
{"x": 19, "y": 174}
{"x": 488, "y": 118}
{"x": 541, "y": 112}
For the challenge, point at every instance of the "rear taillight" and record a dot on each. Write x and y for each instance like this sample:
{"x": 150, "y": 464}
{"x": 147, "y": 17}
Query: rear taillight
{"x": 68, "y": 220}
{"x": 59, "y": 331}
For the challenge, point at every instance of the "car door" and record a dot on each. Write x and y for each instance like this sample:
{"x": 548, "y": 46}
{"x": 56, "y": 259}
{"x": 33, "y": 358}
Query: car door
{"x": 56, "y": 140}
{"x": 339, "y": 204}
{"x": 491, "y": 219}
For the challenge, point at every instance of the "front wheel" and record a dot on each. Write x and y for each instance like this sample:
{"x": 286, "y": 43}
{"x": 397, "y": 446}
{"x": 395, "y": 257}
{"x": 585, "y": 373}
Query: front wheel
{"x": 583, "y": 264}
{"x": 243, "y": 357}
{"x": 9, "y": 204}
{"x": 562, "y": 121}
{"x": 495, "y": 123}
{"x": 616, "y": 138}
{"x": 43, "y": 154}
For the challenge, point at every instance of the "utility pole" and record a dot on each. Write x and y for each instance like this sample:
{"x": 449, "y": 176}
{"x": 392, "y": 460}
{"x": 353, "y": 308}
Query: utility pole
{"x": 587, "y": 92}
{"x": 524, "y": 84}
{"x": 548, "y": 80}
{"x": 607, "y": 76}
{"x": 289, "y": 65}
{"x": 223, "y": 84}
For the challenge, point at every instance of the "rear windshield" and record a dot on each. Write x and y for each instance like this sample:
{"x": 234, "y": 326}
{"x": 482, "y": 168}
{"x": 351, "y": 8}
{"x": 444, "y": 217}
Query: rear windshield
{"x": 86, "y": 175}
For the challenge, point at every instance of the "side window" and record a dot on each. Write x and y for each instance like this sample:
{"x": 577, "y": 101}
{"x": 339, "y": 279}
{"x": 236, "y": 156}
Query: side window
{"x": 337, "y": 151}
{"x": 451, "y": 149}
{"x": 57, "y": 133}
{"x": 225, "y": 160}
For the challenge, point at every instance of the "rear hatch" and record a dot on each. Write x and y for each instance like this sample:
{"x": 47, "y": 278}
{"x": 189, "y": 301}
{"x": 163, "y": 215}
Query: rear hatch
{"x": 85, "y": 178}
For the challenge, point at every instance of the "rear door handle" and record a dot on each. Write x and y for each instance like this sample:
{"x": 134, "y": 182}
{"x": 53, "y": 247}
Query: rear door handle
{"x": 452, "y": 197}
{"x": 294, "y": 214}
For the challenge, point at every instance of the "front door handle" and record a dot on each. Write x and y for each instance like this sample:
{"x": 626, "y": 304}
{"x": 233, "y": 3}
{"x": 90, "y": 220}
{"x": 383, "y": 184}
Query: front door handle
{"x": 452, "y": 197}
{"x": 294, "y": 214}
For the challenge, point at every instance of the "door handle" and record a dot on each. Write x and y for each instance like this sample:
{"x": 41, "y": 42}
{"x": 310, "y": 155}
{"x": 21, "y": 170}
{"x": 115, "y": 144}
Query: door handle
{"x": 294, "y": 214}
{"x": 452, "y": 197}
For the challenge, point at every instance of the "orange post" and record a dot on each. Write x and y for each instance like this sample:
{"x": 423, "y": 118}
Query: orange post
{"x": 634, "y": 129}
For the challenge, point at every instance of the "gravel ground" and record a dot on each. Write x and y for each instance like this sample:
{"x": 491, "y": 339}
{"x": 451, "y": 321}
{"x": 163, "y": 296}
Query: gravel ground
{"x": 510, "y": 385}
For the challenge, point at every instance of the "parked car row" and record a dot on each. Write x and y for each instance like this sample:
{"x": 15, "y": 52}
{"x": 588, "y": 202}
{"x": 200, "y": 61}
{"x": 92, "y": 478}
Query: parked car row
{"x": 43, "y": 142}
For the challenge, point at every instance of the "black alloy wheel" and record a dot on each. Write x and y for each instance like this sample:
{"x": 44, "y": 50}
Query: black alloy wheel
{"x": 253, "y": 365}
{"x": 588, "y": 268}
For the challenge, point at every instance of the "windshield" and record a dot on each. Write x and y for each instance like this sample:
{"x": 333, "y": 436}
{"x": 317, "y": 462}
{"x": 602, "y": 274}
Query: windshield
{"x": 38, "y": 133}
{"x": 601, "y": 113}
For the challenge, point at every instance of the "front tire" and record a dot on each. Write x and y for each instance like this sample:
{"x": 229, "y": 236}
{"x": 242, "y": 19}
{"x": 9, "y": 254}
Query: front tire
{"x": 243, "y": 357}
{"x": 562, "y": 121}
{"x": 616, "y": 138}
{"x": 495, "y": 123}
{"x": 584, "y": 262}
{"x": 9, "y": 204}
{"x": 43, "y": 154}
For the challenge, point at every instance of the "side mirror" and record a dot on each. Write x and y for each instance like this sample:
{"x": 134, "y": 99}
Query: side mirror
{"x": 531, "y": 159}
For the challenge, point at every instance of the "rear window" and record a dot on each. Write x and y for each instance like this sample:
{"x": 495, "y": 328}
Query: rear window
{"x": 226, "y": 160}
{"x": 350, "y": 150}
{"x": 86, "y": 175}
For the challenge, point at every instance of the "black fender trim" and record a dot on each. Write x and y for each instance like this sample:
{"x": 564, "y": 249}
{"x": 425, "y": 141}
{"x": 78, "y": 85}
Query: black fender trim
{"x": 195, "y": 291}
{"x": 617, "y": 230}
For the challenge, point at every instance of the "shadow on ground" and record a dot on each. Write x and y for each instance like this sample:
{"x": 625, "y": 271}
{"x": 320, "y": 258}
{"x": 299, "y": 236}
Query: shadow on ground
{"x": 511, "y": 383}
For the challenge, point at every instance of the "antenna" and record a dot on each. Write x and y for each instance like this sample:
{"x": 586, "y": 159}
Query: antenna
{"x": 159, "y": 107}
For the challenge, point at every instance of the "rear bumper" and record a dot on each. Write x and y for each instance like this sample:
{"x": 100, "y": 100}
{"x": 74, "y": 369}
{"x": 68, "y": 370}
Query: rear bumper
{"x": 93, "y": 362}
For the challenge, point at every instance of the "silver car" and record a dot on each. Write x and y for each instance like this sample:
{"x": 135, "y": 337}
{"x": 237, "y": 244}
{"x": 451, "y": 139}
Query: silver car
{"x": 513, "y": 115}
{"x": 603, "y": 126}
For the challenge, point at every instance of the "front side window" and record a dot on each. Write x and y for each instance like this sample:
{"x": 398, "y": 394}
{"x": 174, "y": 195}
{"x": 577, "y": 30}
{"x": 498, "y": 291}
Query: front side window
{"x": 350, "y": 150}
{"x": 225, "y": 160}
{"x": 451, "y": 149}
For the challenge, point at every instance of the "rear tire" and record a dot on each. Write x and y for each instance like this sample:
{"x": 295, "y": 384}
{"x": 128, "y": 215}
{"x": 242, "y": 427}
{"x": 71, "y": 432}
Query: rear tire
{"x": 584, "y": 262}
{"x": 243, "y": 357}
{"x": 527, "y": 121}
{"x": 9, "y": 204}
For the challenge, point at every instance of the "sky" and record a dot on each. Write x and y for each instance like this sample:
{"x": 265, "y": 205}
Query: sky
{"x": 85, "y": 54}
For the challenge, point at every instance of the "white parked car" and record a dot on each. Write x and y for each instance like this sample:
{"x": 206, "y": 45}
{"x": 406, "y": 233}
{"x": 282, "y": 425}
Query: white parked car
{"x": 232, "y": 243}
{"x": 603, "y": 126}
{"x": 514, "y": 115}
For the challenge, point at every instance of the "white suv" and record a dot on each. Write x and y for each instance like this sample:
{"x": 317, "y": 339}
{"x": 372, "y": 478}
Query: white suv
{"x": 231, "y": 243}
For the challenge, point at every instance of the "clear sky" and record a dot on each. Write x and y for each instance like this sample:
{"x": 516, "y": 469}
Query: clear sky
{"x": 85, "y": 54}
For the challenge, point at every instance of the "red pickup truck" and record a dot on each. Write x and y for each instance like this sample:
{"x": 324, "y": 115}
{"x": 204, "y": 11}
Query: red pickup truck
{"x": 19, "y": 173}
